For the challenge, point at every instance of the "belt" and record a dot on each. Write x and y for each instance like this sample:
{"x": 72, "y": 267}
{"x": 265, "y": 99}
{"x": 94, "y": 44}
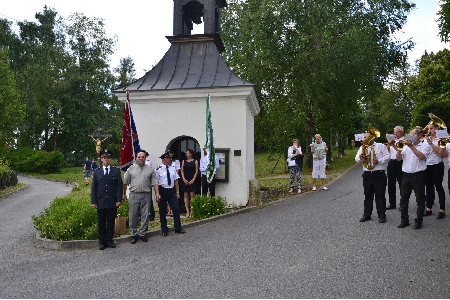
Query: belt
{"x": 377, "y": 171}
{"x": 167, "y": 188}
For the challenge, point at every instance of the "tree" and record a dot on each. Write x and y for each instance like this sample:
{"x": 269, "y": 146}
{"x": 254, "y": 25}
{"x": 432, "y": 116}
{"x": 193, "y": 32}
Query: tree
{"x": 430, "y": 89}
{"x": 312, "y": 62}
{"x": 126, "y": 72}
{"x": 444, "y": 20}
{"x": 11, "y": 110}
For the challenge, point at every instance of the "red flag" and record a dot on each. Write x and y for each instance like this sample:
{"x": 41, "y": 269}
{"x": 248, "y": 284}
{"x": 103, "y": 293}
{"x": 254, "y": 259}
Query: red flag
{"x": 127, "y": 150}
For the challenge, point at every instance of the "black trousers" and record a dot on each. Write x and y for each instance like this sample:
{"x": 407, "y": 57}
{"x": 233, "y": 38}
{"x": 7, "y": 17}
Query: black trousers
{"x": 394, "y": 175}
{"x": 413, "y": 182}
{"x": 106, "y": 218}
{"x": 169, "y": 196}
{"x": 211, "y": 186}
{"x": 435, "y": 176}
{"x": 375, "y": 186}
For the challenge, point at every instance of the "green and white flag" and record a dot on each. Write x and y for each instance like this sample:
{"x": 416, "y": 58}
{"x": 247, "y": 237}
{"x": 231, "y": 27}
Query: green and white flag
{"x": 210, "y": 150}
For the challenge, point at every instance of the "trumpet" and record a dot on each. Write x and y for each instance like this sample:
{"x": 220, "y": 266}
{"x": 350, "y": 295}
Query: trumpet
{"x": 443, "y": 142}
{"x": 399, "y": 145}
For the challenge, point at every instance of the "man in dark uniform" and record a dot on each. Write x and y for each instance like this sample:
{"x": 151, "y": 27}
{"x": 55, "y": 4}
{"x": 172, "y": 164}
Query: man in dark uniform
{"x": 167, "y": 191}
{"x": 106, "y": 197}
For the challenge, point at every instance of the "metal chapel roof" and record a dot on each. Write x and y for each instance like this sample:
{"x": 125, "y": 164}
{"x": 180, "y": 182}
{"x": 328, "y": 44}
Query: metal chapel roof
{"x": 192, "y": 63}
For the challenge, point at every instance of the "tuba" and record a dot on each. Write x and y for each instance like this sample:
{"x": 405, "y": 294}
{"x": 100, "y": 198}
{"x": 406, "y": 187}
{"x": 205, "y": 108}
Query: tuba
{"x": 369, "y": 151}
{"x": 434, "y": 120}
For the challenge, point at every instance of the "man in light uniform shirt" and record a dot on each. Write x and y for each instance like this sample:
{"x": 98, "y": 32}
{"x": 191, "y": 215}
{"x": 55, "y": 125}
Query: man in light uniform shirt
{"x": 394, "y": 168}
{"x": 167, "y": 190}
{"x": 139, "y": 177}
{"x": 414, "y": 167}
{"x": 374, "y": 181}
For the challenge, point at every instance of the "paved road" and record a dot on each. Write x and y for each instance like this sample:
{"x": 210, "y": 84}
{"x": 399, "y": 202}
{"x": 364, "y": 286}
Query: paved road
{"x": 309, "y": 247}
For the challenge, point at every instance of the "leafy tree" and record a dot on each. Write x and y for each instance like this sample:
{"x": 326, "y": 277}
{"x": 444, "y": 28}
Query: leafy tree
{"x": 126, "y": 71}
{"x": 444, "y": 20}
{"x": 313, "y": 62}
{"x": 11, "y": 110}
{"x": 430, "y": 89}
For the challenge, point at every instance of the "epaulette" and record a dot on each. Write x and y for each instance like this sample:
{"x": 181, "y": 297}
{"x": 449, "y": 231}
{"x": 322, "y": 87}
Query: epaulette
{"x": 159, "y": 167}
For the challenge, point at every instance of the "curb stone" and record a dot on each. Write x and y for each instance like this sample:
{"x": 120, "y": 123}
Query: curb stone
{"x": 91, "y": 244}
{"x": 14, "y": 192}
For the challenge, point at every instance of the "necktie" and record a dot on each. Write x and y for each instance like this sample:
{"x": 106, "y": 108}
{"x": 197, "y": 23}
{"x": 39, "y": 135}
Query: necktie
{"x": 169, "y": 181}
{"x": 107, "y": 169}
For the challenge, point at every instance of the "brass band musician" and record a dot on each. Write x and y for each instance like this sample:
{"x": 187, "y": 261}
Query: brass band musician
{"x": 376, "y": 157}
{"x": 394, "y": 168}
{"x": 414, "y": 155}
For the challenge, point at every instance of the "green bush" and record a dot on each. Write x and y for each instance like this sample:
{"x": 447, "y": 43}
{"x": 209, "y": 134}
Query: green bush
{"x": 203, "y": 207}
{"x": 38, "y": 161}
{"x": 4, "y": 166}
{"x": 71, "y": 218}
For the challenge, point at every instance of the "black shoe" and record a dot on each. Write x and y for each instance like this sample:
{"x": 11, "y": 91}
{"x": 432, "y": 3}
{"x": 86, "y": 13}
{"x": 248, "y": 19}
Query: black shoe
{"x": 365, "y": 218}
{"x": 390, "y": 206}
{"x": 151, "y": 218}
{"x": 164, "y": 234}
{"x": 403, "y": 224}
{"x": 181, "y": 231}
{"x": 110, "y": 244}
{"x": 417, "y": 225}
{"x": 382, "y": 220}
{"x": 428, "y": 213}
{"x": 440, "y": 215}
{"x": 102, "y": 247}
{"x": 144, "y": 238}
{"x": 134, "y": 239}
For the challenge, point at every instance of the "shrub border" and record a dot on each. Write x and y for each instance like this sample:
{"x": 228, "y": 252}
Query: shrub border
{"x": 90, "y": 244}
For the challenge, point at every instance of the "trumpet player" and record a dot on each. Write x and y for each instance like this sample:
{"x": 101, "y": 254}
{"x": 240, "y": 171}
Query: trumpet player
{"x": 435, "y": 173}
{"x": 394, "y": 168}
{"x": 374, "y": 180}
{"x": 414, "y": 155}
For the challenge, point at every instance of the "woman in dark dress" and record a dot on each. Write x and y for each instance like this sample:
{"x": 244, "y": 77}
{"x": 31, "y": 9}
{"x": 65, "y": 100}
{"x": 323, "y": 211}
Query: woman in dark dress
{"x": 189, "y": 172}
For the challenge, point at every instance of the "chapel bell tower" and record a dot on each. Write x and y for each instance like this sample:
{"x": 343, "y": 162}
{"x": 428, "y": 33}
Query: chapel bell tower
{"x": 188, "y": 12}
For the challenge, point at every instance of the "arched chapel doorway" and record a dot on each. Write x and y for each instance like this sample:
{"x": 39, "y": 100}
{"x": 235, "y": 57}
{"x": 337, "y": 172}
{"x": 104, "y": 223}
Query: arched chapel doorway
{"x": 179, "y": 146}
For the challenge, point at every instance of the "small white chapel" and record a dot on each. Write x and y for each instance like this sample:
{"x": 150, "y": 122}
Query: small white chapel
{"x": 169, "y": 101}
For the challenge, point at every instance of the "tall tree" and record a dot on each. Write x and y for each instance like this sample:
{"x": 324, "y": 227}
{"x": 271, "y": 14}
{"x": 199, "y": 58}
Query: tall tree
{"x": 430, "y": 88}
{"x": 126, "y": 71}
{"x": 444, "y": 20}
{"x": 11, "y": 110}
{"x": 312, "y": 61}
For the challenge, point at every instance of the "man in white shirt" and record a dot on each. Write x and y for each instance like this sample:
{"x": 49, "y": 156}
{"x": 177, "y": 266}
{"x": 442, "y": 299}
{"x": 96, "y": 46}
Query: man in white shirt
{"x": 202, "y": 168}
{"x": 394, "y": 168}
{"x": 414, "y": 155}
{"x": 374, "y": 181}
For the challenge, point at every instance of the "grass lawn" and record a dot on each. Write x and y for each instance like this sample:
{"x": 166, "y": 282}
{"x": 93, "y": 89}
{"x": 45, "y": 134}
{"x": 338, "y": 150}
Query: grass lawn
{"x": 273, "y": 177}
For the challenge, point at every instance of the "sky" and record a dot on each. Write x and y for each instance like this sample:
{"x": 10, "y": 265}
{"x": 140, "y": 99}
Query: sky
{"x": 141, "y": 26}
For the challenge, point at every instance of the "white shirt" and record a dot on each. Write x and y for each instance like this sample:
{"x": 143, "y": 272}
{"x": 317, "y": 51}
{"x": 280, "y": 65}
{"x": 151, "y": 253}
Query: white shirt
{"x": 104, "y": 170}
{"x": 148, "y": 162}
{"x": 382, "y": 154}
{"x": 433, "y": 158}
{"x": 392, "y": 150}
{"x": 161, "y": 176}
{"x": 176, "y": 164}
{"x": 291, "y": 161}
{"x": 411, "y": 163}
{"x": 447, "y": 148}
{"x": 204, "y": 164}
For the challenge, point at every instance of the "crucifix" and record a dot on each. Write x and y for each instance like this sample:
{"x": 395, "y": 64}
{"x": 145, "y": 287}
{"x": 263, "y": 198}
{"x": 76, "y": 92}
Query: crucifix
{"x": 99, "y": 137}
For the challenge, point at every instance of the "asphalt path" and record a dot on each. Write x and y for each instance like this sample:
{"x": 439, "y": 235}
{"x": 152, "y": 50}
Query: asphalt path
{"x": 310, "y": 246}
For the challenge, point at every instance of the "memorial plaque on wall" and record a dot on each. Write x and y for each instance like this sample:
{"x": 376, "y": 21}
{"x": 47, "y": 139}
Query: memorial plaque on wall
{"x": 222, "y": 173}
